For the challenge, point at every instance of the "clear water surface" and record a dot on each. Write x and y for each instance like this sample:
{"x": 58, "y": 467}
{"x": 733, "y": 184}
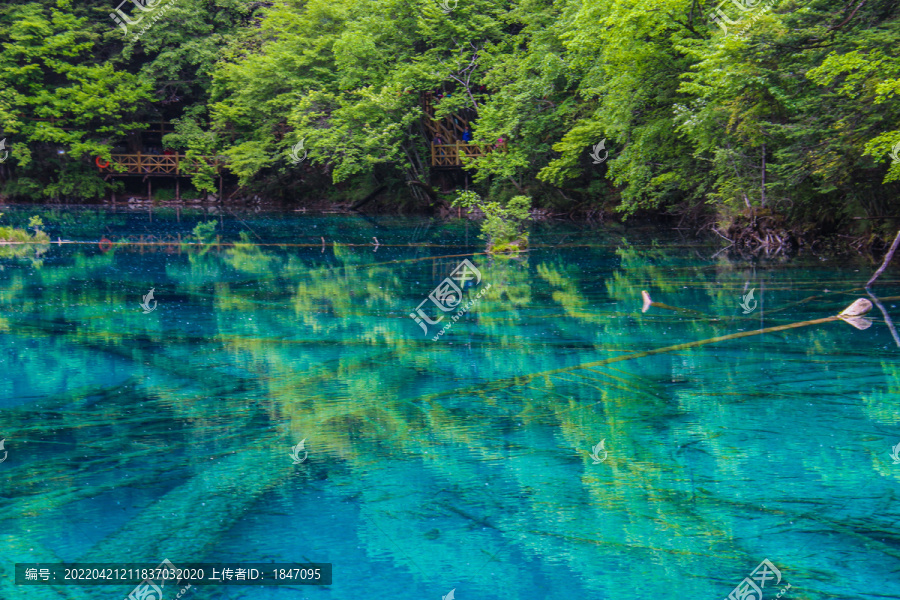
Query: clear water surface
{"x": 458, "y": 464}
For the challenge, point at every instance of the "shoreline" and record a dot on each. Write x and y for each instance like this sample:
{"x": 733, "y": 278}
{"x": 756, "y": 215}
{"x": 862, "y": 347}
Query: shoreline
{"x": 834, "y": 243}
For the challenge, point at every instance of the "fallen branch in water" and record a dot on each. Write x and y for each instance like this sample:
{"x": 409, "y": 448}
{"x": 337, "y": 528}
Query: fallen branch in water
{"x": 887, "y": 259}
{"x": 648, "y": 302}
{"x": 851, "y": 315}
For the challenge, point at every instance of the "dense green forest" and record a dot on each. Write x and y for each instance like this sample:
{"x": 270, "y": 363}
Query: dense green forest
{"x": 710, "y": 113}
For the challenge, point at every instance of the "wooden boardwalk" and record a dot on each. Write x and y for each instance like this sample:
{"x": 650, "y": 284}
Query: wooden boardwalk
{"x": 449, "y": 128}
{"x": 141, "y": 165}
{"x": 453, "y": 153}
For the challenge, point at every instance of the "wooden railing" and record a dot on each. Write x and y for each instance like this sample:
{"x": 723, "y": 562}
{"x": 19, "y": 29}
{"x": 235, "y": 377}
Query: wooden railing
{"x": 448, "y": 128}
{"x": 452, "y": 155}
{"x": 452, "y": 129}
{"x": 156, "y": 164}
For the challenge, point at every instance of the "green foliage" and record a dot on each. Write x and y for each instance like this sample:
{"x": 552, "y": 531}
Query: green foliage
{"x": 504, "y": 226}
{"x": 73, "y": 87}
{"x": 61, "y": 104}
{"x": 18, "y": 243}
{"x": 247, "y": 257}
{"x": 467, "y": 199}
{"x": 10, "y": 234}
{"x": 205, "y": 232}
{"x": 689, "y": 114}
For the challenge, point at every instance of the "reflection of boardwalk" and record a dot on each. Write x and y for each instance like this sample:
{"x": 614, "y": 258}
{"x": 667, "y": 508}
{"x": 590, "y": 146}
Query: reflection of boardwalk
{"x": 155, "y": 164}
{"x": 151, "y": 243}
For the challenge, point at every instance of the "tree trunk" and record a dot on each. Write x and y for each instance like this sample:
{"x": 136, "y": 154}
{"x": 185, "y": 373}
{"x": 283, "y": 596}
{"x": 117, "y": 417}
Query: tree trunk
{"x": 368, "y": 198}
{"x": 763, "y": 189}
{"x": 425, "y": 188}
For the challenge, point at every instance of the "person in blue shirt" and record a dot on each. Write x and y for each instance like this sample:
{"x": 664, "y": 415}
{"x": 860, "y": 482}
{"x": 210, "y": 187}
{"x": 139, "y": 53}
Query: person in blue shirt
{"x": 467, "y": 135}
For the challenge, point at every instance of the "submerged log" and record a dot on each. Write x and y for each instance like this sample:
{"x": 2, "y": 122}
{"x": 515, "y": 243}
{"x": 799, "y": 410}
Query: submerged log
{"x": 169, "y": 527}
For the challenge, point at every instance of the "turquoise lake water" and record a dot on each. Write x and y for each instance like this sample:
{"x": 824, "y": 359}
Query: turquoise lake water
{"x": 462, "y": 463}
